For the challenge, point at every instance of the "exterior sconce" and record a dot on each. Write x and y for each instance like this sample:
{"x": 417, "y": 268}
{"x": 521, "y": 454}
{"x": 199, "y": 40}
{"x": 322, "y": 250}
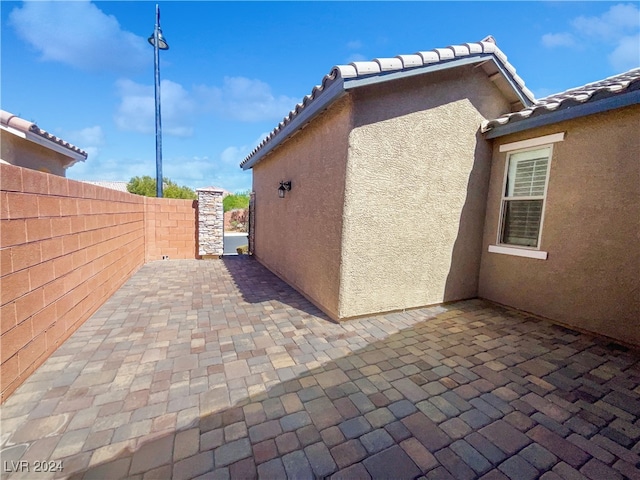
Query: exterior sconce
{"x": 284, "y": 187}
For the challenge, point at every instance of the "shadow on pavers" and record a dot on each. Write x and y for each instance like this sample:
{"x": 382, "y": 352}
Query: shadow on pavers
{"x": 371, "y": 395}
{"x": 257, "y": 284}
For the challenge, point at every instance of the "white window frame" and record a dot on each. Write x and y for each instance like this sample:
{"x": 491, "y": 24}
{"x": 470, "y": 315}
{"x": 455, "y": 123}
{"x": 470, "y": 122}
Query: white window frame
{"x": 510, "y": 149}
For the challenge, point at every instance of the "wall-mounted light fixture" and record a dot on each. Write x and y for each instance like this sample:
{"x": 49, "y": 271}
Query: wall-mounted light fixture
{"x": 284, "y": 187}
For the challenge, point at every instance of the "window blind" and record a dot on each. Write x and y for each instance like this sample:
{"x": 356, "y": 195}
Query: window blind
{"x": 522, "y": 222}
{"x": 527, "y": 173}
{"x": 524, "y": 197}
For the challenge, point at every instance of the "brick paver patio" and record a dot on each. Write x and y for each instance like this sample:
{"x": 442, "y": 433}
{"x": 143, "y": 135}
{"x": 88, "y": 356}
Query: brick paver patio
{"x": 217, "y": 369}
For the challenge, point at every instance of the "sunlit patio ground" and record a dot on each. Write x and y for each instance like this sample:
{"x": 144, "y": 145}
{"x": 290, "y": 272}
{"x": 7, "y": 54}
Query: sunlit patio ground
{"x": 218, "y": 369}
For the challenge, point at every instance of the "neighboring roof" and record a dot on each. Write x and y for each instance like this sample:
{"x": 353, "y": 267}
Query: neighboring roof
{"x": 345, "y": 77}
{"x": 119, "y": 186}
{"x": 31, "y": 131}
{"x": 612, "y": 92}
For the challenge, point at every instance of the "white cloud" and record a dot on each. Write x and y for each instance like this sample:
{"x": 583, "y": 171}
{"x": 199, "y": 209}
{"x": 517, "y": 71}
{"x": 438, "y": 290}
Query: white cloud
{"x": 136, "y": 111}
{"x": 79, "y": 34}
{"x": 618, "y": 28}
{"x": 357, "y": 57}
{"x": 611, "y": 25}
{"x": 542, "y": 92}
{"x": 88, "y": 136}
{"x": 188, "y": 171}
{"x": 89, "y": 139}
{"x": 627, "y": 54}
{"x": 196, "y": 172}
{"x": 558, "y": 40}
{"x": 239, "y": 98}
{"x": 233, "y": 155}
{"x": 222, "y": 170}
{"x": 110, "y": 169}
{"x": 245, "y": 99}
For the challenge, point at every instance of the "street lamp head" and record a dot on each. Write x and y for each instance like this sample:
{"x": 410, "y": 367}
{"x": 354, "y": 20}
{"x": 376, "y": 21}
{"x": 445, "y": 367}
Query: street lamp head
{"x": 162, "y": 43}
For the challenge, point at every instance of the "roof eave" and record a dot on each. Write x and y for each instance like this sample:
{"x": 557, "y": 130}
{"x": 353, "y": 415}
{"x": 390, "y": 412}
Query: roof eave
{"x": 67, "y": 152}
{"x": 51, "y": 145}
{"x": 570, "y": 113}
{"x": 331, "y": 94}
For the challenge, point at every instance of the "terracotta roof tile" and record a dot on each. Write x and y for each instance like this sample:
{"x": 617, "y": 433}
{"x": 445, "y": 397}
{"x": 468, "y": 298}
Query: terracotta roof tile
{"x": 385, "y": 66}
{"x": 11, "y": 121}
{"x": 609, "y": 87}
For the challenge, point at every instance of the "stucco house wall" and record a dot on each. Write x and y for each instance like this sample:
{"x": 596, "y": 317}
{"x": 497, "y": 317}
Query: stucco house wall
{"x": 24, "y": 153}
{"x": 591, "y": 229}
{"x": 299, "y": 237}
{"x": 416, "y": 184}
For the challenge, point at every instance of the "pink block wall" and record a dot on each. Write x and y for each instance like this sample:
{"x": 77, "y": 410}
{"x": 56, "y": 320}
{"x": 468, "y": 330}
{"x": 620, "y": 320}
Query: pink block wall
{"x": 170, "y": 228}
{"x": 66, "y": 247}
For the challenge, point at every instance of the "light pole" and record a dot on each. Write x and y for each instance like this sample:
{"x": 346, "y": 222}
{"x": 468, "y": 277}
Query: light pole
{"x": 159, "y": 43}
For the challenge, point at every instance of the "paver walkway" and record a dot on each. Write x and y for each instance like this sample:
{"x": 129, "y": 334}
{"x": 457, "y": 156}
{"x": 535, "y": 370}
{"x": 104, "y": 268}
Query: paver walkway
{"x": 218, "y": 369}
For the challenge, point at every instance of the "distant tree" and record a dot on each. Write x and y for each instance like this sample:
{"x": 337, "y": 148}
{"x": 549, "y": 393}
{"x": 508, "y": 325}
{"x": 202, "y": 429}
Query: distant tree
{"x": 146, "y": 186}
{"x": 172, "y": 190}
{"x": 236, "y": 200}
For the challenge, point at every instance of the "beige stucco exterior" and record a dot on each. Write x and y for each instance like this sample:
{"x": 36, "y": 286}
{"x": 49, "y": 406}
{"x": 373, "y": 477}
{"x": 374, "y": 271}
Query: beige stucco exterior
{"x": 387, "y": 206}
{"x": 416, "y": 184}
{"x": 591, "y": 230}
{"x": 298, "y": 237}
{"x": 24, "y": 153}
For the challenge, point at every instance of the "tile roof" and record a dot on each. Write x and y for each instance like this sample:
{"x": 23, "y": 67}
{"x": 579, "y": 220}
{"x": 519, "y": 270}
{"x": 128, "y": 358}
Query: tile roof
{"x": 11, "y": 121}
{"x": 609, "y": 88}
{"x": 119, "y": 186}
{"x": 383, "y": 69}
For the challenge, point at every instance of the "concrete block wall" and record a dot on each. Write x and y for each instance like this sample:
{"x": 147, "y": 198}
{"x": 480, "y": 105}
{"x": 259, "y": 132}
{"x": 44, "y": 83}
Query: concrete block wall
{"x": 170, "y": 228}
{"x": 65, "y": 248}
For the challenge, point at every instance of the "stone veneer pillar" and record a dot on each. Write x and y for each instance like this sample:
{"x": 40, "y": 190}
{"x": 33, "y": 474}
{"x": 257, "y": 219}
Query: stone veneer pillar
{"x": 210, "y": 223}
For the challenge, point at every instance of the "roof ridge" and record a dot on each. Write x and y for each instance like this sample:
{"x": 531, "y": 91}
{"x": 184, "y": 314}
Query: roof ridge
{"x": 399, "y": 63}
{"x": 406, "y": 61}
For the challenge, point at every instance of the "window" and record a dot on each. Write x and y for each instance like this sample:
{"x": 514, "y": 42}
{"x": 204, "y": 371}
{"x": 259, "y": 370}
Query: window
{"x": 523, "y": 197}
{"x": 524, "y": 192}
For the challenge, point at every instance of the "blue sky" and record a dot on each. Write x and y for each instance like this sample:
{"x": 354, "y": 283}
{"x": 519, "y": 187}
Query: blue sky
{"x": 84, "y": 70}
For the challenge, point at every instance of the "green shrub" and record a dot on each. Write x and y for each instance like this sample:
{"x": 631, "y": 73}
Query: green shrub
{"x": 235, "y": 200}
{"x": 147, "y": 186}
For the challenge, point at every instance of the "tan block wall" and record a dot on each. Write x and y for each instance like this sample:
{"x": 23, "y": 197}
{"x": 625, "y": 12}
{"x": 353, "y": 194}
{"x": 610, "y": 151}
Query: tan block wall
{"x": 298, "y": 237}
{"x": 66, "y": 247}
{"x": 416, "y": 186}
{"x": 591, "y": 230}
{"x": 170, "y": 228}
